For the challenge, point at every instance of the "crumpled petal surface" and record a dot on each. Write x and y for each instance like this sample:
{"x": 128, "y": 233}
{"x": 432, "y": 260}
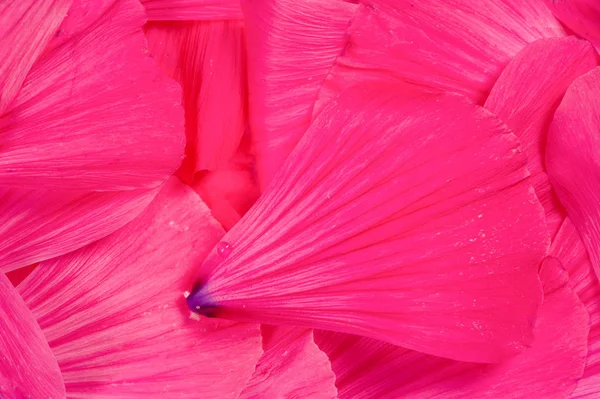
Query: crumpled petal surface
{"x": 370, "y": 369}
{"x": 208, "y": 59}
{"x": 292, "y": 366}
{"x": 28, "y": 368}
{"x": 374, "y": 228}
{"x": 116, "y": 320}
{"x": 449, "y": 45}
{"x": 70, "y": 129}
{"x": 573, "y": 159}
{"x": 292, "y": 46}
{"x": 525, "y": 97}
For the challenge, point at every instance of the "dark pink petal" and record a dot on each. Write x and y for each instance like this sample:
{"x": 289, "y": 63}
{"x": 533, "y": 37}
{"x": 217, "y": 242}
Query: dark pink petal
{"x": 457, "y": 45}
{"x": 192, "y": 10}
{"x": 28, "y": 368}
{"x": 581, "y": 16}
{"x": 26, "y": 27}
{"x": 36, "y": 225}
{"x": 573, "y": 159}
{"x": 292, "y": 366}
{"x": 292, "y": 46}
{"x": 569, "y": 247}
{"x": 208, "y": 59}
{"x": 116, "y": 320}
{"x": 403, "y": 218}
{"x": 525, "y": 97}
{"x": 87, "y": 114}
{"x": 370, "y": 369}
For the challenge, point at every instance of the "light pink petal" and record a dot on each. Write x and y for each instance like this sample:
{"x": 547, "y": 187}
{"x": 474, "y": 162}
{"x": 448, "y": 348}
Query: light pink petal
{"x": 208, "y": 59}
{"x": 86, "y": 117}
{"x": 36, "y": 225}
{"x": 231, "y": 191}
{"x": 26, "y": 27}
{"x": 370, "y": 369}
{"x": 407, "y": 219}
{"x": 292, "y": 46}
{"x": 450, "y": 45}
{"x": 28, "y": 368}
{"x": 292, "y": 366}
{"x": 526, "y": 95}
{"x": 573, "y": 159}
{"x": 116, "y": 320}
{"x": 569, "y": 247}
{"x": 192, "y": 10}
{"x": 581, "y": 16}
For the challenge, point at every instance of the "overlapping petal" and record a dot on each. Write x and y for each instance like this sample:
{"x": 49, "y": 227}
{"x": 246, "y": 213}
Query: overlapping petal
{"x": 292, "y": 366}
{"x": 292, "y": 46}
{"x": 457, "y": 45}
{"x": 28, "y": 368}
{"x": 115, "y": 318}
{"x": 192, "y": 10}
{"x": 573, "y": 159}
{"x": 389, "y": 220}
{"x": 581, "y": 16}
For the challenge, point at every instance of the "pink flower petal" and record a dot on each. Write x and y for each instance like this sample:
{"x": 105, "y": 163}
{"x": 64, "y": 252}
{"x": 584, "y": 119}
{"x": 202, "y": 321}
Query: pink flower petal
{"x": 406, "y": 219}
{"x": 569, "y": 247}
{"x": 366, "y": 368}
{"x": 85, "y": 117}
{"x": 292, "y": 46}
{"x": 36, "y": 225}
{"x": 116, "y": 320}
{"x": 573, "y": 159}
{"x": 526, "y": 95}
{"x": 26, "y": 28}
{"x": 192, "y": 10}
{"x": 208, "y": 59}
{"x": 28, "y": 368}
{"x": 458, "y": 45}
{"x": 292, "y": 366}
{"x": 581, "y": 16}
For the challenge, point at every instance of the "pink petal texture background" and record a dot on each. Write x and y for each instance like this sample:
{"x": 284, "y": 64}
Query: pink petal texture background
{"x": 449, "y": 45}
{"x": 569, "y": 247}
{"x": 28, "y": 368}
{"x": 573, "y": 158}
{"x": 292, "y": 46}
{"x": 116, "y": 320}
{"x": 69, "y": 129}
{"x": 178, "y": 10}
{"x": 292, "y": 366}
{"x": 367, "y": 368}
{"x": 526, "y": 95}
{"x": 374, "y": 228}
{"x": 208, "y": 59}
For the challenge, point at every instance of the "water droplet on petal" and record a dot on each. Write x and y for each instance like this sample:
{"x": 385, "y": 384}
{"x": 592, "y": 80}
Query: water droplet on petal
{"x": 224, "y": 249}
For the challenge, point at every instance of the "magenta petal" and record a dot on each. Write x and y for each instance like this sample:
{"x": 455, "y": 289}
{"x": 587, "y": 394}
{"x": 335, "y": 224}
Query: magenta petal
{"x": 192, "y": 10}
{"x": 374, "y": 228}
{"x": 28, "y": 368}
{"x": 115, "y": 317}
{"x": 581, "y": 16}
{"x": 292, "y": 366}
{"x": 573, "y": 159}
{"x": 208, "y": 59}
{"x": 68, "y": 128}
{"x": 26, "y": 27}
{"x": 459, "y": 45}
{"x": 526, "y": 95}
{"x": 36, "y": 225}
{"x": 370, "y": 369}
{"x": 569, "y": 247}
{"x": 292, "y": 46}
